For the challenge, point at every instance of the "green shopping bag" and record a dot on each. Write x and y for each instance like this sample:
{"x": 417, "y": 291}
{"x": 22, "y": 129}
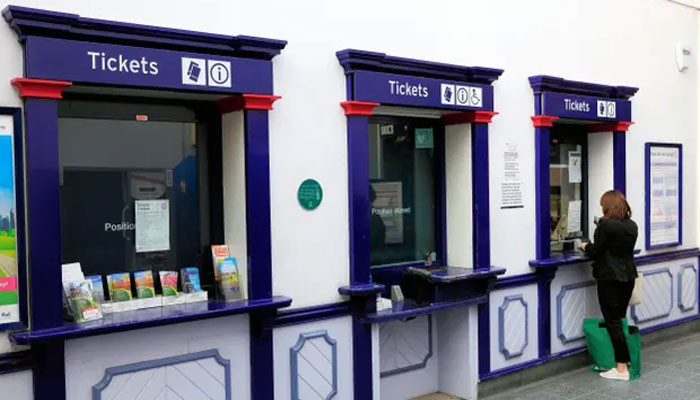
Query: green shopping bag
{"x": 601, "y": 350}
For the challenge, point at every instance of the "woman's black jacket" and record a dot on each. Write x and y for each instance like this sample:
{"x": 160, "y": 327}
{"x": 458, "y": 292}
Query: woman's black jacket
{"x": 612, "y": 250}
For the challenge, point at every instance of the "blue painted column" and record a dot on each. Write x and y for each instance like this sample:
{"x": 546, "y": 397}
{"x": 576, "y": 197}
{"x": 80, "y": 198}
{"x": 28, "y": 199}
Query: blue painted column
{"x": 542, "y": 125}
{"x": 619, "y": 161}
{"x": 44, "y": 229}
{"x": 258, "y": 233}
{"x": 481, "y": 231}
{"x": 358, "y": 113}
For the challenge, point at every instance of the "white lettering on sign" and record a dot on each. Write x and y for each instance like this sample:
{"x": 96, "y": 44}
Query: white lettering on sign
{"x": 467, "y": 96}
{"x": 390, "y": 211}
{"x": 122, "y": 226}
{"x": 407, "y": 89}
{"x": 103, "y": 62}
{"x": 574, "y": 105}
{"x": 606, "y": 109}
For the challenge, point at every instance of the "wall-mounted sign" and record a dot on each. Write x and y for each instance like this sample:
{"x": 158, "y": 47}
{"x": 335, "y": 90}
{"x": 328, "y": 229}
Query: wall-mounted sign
{"x": 422, "y": 92}
{"x": 512, "y": 184}
{"x": 310, "y": 194}
{"x": 87, "y": 62}
{"x": 585, "y": 107}
{"x": 9, "y": 295}
{"x": 424, "y": 138}
{"x": 664, "y": 190}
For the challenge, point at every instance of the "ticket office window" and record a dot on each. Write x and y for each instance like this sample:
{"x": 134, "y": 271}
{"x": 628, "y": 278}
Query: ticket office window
{"x": 568, "y": 187}
{"x": 115, "y": 156}
{"x": 405, "y": 163}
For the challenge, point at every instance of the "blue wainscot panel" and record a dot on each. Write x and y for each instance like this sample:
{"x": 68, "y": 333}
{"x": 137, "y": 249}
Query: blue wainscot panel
{"x": 201, "y": 375}
{"x": 314, "y": 366}
{"x": 514, "y": 324}
{"x": 405, "y": 345}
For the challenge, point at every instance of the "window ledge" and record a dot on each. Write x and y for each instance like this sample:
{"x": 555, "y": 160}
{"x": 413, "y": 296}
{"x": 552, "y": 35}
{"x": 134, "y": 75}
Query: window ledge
{"x": 456, "y": 274}
{"x": 409, "y": 309}
{"x": 564, "y": 259}
{"x": 367, "y": 289}
{"x": 150, "y": 317}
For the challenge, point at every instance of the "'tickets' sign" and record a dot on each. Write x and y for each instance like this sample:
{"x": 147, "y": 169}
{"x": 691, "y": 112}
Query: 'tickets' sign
{"x": 585, "y": 107}
{"x": 421, "y": 92}
{"x": 88, "y": 62}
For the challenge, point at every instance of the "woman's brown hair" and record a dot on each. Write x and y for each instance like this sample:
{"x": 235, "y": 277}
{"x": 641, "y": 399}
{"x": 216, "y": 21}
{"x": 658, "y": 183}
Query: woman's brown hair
{"x": 615, "y": 205}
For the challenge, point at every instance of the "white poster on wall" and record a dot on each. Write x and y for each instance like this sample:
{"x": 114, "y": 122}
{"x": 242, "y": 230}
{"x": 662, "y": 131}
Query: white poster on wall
{"x": 388, "y": 204}
{"x": 664, "y": 192}
{"x": 152, "y": 220}
{"x": 512, "y": 184}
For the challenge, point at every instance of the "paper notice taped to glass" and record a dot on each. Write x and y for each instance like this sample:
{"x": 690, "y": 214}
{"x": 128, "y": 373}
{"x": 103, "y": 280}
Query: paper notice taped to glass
{"x": 574, "y": 167}
{"x": 574, "y": 217}
{"x": 152, "y": 220}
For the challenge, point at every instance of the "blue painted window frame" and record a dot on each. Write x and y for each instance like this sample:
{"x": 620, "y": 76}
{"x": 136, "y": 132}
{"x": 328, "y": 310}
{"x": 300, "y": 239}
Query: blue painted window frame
{"x": 541, "y": 84}
{"x": 20, "y": 237}
{"x": 647, "y": 194}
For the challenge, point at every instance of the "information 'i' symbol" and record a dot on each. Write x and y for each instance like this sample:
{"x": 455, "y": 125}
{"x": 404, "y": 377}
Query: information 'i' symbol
{"x": 462, "y": 95}
{"x": 219, "y": 73}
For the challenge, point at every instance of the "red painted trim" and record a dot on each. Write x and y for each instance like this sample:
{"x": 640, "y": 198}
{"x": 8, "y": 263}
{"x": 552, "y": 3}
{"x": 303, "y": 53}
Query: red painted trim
{"x": 543, "y": 120}
{"x": 247, "y": 102}
{"x": 617, "y": 126}
{"x": 40, "y": 88}
{"x": 466, "y": 117}
{"x": 353, "y": 107}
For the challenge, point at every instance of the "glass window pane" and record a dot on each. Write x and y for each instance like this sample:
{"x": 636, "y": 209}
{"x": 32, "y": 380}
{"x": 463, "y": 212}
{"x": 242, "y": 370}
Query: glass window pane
{"x": 402, "y": 189}
{"x": 107, "y": 165}
{"x": 568, "y": 180}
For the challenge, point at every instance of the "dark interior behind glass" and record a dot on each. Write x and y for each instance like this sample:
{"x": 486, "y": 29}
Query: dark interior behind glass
{"x": 110, "y": 159}
{"x": 403, "y": 189}
{"x": 567, "y": 141}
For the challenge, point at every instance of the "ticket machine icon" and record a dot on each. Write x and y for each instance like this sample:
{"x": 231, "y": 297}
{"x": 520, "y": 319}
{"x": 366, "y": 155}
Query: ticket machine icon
{"x": 193, "y": 71}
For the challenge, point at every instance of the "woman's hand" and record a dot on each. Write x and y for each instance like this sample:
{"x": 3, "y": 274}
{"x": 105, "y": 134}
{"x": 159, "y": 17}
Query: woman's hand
{"x": 583, "y": 245}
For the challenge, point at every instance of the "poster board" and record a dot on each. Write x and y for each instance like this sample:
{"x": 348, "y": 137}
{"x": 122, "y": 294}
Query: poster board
{"x": 12, "y": 276}
{"x": 664, "y": 194}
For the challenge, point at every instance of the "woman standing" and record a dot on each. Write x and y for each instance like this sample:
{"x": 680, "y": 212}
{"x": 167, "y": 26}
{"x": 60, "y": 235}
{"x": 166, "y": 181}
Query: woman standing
{"x": 612, "y": 252}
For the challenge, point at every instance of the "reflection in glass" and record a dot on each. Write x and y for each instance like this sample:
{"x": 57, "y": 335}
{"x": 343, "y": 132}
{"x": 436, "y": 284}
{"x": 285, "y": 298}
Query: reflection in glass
{"x": 402, "y": 189}
{"x": 107, "y": 165}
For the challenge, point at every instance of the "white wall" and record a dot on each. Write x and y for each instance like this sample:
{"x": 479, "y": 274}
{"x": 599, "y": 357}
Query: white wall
{"x": 625, "y": 42}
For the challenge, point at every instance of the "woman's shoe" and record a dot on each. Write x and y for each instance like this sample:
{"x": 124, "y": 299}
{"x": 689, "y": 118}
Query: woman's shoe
{"x": 614, "y": 374}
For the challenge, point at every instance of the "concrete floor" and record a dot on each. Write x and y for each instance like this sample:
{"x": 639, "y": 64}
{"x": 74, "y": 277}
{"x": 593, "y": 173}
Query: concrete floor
{"x": 670, "y": 371}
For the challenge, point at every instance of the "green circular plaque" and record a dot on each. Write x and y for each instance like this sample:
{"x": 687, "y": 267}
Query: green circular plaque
{"x": 310, "y": 194}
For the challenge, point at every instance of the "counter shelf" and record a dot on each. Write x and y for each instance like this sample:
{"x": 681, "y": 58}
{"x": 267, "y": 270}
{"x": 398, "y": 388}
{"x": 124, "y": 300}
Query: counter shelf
{"x": 151, "y": 317}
